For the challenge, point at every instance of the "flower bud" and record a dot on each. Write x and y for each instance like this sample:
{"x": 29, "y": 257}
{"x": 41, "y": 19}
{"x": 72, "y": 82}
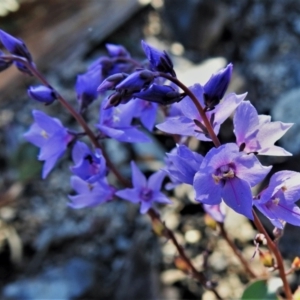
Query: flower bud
{"x": 210, "y": 222}
{"x": 162, "y": 94}
{"x": 159, "y": 60}
{"x": 110, "y": 82}
{"x": 86, "y": 87}
{"x": 14, "y": 46}
{"x": 42, "y": 94}
{"x": 296, "y": 263}
{"x": 136, "y": 81}
{"x": 267, "y": 259}
{"x": 216, "y": 86}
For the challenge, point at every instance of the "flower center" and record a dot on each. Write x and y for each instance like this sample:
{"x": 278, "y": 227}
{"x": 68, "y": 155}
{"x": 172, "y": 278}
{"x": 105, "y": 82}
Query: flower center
{"x": 223, "y": 173}
{"x": 94, "y": 164}
{"x": 44, "y": 134}
{"x": 146, "y": 194}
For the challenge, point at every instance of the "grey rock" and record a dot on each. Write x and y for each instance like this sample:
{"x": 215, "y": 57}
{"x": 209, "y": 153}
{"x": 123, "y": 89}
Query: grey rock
{"x": 196, "y": 24}
{"x": 65, "y": 282}
{"x": 287, "y": 110}
{"x": 259, "y": 48}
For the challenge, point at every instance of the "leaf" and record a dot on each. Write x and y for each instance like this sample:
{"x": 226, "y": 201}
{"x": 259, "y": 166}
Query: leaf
{"x": 258, "y": 290}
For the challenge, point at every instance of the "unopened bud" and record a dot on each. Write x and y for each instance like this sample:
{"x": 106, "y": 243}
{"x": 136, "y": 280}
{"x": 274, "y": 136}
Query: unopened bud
{"x": 113, "y": 100}
{"x": 136, "y": 81}
{"x": 162, "y": 94}
{"x": 110, "y": 82}
{"x": 296, "y": 263}
{"x": 14, "y": 45}
{"x": 267, "y": 259}
{"x": 146, "y": 75}
{"x": 210, "y": 222}
{"x": 42, "y": 94}
{"x": 216, "y": 87}
{"x": 159, "y": 60}
{"x": 181, "y": 264}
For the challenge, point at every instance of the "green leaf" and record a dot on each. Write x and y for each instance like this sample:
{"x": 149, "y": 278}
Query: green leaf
{"x": 258, "y": 290}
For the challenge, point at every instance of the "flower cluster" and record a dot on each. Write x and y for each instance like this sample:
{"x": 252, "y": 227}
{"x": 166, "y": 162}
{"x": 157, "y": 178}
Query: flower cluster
{"x": 132, "y": 93}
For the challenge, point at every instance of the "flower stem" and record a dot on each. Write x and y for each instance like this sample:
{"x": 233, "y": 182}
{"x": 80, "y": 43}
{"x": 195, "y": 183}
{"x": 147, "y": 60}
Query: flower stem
{"x": 196, "y": 274}
{"x": 200, "y": 109}
{"x": 236, "y": 251}
{"x": 274, "y": 249}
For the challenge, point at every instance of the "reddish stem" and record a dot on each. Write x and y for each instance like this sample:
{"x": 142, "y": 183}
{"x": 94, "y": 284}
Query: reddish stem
{"x": 196, "y": 274}
{"x": 236, "y": 251}
{"x": 200, "y": 109}
{"x": 279, "y": 260}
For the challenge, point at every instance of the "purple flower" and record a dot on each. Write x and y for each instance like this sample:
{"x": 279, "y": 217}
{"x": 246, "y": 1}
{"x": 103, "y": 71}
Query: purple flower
{"x": 88, "y": 166}
{"x": 256, "y": 133}
{"x": 277, "y": 201}
{"x": 144, "y": 110}
{"x": 216, "y": 86}
{"x": 159, "y": 60}
{"x": 42, "y": 94}
{"x": 50, "y": 136}
{"x": 226, "y": 173}
{"x": 115, "y": 122}
{"x": 89, "y": 194}
{"x": 144, "y": 191}
{"x": 217, "y": 211}
{"x": 86, "y": 87}
{"x": 191, "y": 123}
{"x": 182, "y": 164}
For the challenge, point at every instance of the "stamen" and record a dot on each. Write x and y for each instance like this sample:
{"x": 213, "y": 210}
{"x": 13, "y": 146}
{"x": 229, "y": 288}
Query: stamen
{"x": 44, "y": 134}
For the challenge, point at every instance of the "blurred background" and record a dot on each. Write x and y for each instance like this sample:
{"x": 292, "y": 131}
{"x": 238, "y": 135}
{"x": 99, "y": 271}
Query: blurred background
{"x": 49, "y": 251}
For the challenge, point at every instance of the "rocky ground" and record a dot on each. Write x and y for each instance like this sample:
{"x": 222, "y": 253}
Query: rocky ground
{"x": 50, "y": 251}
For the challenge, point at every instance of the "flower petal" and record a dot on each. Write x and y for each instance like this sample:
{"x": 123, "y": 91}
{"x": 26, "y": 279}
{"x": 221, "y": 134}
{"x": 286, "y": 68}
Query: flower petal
{"x": 187, "y": 106}
{"x": 178, "y": 125}
{"x": 129, "y": 195}
{"x": 155, "y": 180}
{"x": 207, "y": 190}
{"x": 237, "y": 195}
{"x": 249, "y": 168}
{"x": 138, "y": 178}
